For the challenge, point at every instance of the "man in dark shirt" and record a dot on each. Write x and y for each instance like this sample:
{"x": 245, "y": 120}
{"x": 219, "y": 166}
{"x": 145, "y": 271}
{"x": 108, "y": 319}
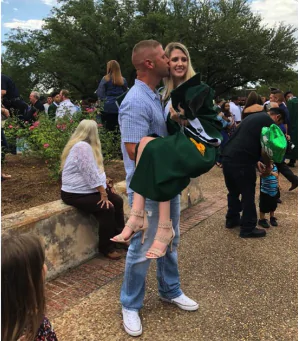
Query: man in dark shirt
{"x": 241, "y": 155}
{"x": 11, "y": 98}
{"x": 55, "y": 104}
{"x": 36, "y": 106}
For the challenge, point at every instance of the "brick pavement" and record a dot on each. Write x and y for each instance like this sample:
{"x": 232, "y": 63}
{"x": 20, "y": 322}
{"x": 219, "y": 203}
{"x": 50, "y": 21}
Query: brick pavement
{"x": 72, "y": 286}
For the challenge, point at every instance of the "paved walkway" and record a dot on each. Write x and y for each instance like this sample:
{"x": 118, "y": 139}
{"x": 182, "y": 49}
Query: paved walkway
{"x": 247, "y": 289}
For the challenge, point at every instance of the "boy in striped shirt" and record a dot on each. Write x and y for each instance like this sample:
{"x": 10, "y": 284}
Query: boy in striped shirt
{"x": 269, "y": 193}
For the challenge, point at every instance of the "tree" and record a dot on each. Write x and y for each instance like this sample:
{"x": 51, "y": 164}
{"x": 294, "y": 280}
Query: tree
{"x": 227, "y": 42}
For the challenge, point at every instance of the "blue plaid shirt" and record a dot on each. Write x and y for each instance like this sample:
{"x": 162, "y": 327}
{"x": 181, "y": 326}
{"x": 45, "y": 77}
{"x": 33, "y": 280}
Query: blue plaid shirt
{"x": 140, "y": 114}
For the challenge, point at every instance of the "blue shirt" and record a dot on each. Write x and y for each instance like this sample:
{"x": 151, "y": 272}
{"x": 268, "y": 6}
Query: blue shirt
{"x": 269, "y": 184}
{"x": 140, "y": 114}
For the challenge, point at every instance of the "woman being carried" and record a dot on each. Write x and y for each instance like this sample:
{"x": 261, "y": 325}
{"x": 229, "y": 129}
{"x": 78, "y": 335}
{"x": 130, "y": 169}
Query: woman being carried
{"x": 165, "y": 165}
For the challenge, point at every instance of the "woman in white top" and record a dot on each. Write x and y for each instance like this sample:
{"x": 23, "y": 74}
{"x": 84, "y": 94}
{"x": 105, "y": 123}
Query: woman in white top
{"x": 84, "y": 184}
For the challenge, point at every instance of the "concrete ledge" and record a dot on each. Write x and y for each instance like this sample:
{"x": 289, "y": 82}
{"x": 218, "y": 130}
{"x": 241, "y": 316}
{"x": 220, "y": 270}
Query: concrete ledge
{"x": 70, "y": 236}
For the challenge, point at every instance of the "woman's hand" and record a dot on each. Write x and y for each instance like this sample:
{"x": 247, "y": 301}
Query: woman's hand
{"x": 110, "y": 185}
{"x": 104, "y": 200}
{"x": 176, "y": 116}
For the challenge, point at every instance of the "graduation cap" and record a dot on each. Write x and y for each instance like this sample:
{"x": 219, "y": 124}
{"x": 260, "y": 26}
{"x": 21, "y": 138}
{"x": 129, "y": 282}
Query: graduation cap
{"x": 194, "y": 96}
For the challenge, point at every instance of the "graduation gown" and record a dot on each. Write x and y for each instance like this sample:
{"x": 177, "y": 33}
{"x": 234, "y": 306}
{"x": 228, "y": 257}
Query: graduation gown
{"x": 167, "y": 163}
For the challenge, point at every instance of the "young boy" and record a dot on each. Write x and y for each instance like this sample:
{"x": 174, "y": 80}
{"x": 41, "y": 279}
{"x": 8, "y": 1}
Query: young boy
{"x": 269, "y": 193}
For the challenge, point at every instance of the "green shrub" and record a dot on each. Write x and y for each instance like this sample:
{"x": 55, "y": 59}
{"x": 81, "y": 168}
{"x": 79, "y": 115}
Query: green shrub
{"x": 46, "y": 138}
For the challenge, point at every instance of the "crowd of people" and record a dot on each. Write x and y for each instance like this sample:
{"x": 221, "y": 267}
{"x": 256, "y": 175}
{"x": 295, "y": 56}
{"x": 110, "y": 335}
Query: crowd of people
{"x": 164, "y": 142}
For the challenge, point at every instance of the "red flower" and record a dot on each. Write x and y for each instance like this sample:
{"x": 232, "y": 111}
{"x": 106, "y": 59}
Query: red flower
{"x": 10, "y": 126}
{"x": 46, "y": 145}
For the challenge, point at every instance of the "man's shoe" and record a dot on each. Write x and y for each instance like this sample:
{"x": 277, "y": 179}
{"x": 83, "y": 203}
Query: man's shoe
{"x": 264, "y": 223}
{"x": 279, "y": 201}
{"x": 131, "y": 322}
{"x": 291, "y": 164}
{"x": 232, "y": 224}
{"x": 273, "y": 221}
{"x": 294, "y": 185}
{"x": 255, "y": 233}
{"x": 182, "y": 302}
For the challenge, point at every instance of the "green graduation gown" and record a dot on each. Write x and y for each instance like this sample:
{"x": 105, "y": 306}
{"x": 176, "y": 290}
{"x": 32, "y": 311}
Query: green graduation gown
{"x": 167, "y": 163}
{"x": 292, "y": 105}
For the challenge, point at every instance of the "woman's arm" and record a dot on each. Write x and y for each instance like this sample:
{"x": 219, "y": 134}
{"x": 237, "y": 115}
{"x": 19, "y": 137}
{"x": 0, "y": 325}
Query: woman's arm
{"x": 101, "y": 91}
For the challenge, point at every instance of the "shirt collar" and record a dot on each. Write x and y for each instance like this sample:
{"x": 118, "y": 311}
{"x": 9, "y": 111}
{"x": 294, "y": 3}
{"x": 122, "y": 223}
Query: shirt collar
{"x": 147, "y": 89}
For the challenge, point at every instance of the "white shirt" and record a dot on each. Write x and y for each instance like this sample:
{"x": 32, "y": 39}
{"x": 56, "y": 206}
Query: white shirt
{"x": 66, "y": 107}
{"x": 46, "y": 106}
{"x": 236, "y": 111}
{"x": 80, "y": 172}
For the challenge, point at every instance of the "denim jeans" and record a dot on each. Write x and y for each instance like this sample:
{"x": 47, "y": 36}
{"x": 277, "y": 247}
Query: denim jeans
{"x": 133, "y": 288}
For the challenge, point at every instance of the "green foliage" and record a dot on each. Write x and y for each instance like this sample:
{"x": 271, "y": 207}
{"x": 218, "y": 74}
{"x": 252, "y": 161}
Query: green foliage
{"x": 46, "y": 138}
{"x": 227, "y": 42}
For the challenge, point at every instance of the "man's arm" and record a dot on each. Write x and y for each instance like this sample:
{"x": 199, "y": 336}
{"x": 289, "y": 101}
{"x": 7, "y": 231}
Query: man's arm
{"x": 3, "y": 92}
{"x": 134, "y": 124}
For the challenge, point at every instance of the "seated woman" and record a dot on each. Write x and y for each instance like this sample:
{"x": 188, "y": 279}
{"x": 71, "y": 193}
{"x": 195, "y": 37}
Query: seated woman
{"x": 111, "y": 86}
{"x": 84, "y": 184}
{"x": 164, "y": 166}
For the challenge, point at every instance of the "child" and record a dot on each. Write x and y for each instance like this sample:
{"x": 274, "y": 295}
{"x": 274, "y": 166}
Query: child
{"x": 23, "y": 273}
{"x": 269, "y": 193}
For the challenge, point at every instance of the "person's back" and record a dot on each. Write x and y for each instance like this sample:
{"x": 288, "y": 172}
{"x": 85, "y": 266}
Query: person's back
{"x": 244, "y": 147}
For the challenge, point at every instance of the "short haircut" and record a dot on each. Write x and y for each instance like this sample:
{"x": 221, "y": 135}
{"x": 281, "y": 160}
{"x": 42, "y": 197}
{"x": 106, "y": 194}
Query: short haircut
{"x": 279, "y": 96}
{"x": 277, "y": 91}
{"x": 234, "y": 98}
{"x": 144, "y": 44}
{"x": 287, "y": 93}
{"x": 278, "y": 111}
{"x": 54, "y": 93}
{"x": 35, "y": 94}
{"x": 139, "y": 48}
{"x": 65, "y": 93}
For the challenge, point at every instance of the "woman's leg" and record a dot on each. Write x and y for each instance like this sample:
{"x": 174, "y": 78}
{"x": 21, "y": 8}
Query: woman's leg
{"x": 135, "y": 220}
{"x": 104, "y": 216}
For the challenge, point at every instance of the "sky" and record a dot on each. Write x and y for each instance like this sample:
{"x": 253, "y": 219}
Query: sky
{"x": 30, "y": 13}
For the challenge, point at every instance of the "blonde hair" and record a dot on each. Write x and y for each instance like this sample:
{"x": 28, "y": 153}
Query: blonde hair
{"x": 87, "y": 131}
{"x": 114, "y": 73}
{"x": 168, "y": 81}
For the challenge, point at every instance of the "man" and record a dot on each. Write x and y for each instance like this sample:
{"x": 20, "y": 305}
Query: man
{"x": 11, "y": 98}
{"x": 235, "y": 109}
{"x": 35, "y": 107}
{"x": 141, "y": 114}
{"x": 286, "y": 128}
{"x": 292, "y": 105}
{"x": 240, "y": 157}
{"x": 66, "y": 107}
{"x": 54, "y": 105}
{"x": 288, "y": 95}
{"x": 49, "y": 102}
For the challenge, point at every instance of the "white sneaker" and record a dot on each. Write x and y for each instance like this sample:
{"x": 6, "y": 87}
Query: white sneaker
{"x": 131, "y": 322}
{"x": 183, "y": 302}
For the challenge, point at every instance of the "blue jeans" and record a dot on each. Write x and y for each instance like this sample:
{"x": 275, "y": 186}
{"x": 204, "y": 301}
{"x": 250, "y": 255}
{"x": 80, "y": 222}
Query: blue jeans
{"x": 133, "y": 288}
